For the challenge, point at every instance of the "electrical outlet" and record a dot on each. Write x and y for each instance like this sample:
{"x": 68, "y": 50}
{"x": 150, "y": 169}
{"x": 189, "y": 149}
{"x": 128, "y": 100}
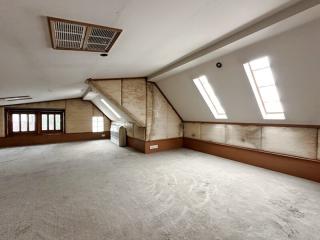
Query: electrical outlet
{"x": 154, "y": 146}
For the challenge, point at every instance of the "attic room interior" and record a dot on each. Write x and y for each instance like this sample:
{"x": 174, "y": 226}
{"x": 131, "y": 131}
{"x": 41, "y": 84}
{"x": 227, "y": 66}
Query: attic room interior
{"x": 164, "y": 120}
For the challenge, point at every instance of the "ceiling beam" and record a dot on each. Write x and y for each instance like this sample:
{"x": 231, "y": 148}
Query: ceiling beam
{"x": 235, "y": 36}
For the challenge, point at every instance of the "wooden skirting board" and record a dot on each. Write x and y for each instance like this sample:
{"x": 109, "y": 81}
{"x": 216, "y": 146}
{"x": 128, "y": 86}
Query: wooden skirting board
{"x": 300, "y": 167}
{"x": 25, "y": 140}
{"x": 137, "y": 144}
{"x": 162, "y": 145}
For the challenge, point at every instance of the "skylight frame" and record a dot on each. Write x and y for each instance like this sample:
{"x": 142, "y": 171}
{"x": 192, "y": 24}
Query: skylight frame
{"x": 251, "y": 74}
{"x": 207, "y": 92}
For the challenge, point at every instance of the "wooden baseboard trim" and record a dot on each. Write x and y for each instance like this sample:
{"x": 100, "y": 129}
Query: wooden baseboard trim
{"x": 304, "y": 168}
{"x": 26, "y": 140}
{"x": 163, "y": 144}
{"x": 137, "y": 144}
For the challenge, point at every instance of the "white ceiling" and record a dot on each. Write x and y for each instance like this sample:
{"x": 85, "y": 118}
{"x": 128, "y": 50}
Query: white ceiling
{"x": 294, "y": 57}
{"x": 155, "y": 33}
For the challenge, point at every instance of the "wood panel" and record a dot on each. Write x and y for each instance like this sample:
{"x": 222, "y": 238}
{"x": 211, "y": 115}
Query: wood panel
{"x": 243, "y": 136}
{"x": 134, "y": 98}
{"x": 149, "y": 110}
{"x": 213, "y": 132}
{"x": 159, "y": 116}
{"x": 78, "y": 116}
{"x": 164, "y": 144}
{"x": 174, "y": 124}
{"x": 162, "y": 120}
{"x": 137, "y": 144}
{"x": 110, "y": 88}
{"x": 257, "y": 124}
{"x": 78, "y": 113}
{"x": 318, "y": 145}
{"x": 290, "y": 165}
{"x": 2, "y": 122}
{"x": 300, "y": 142}
{"x": 26, "y": 140}
{"x": 192, "y": 130}
{"x": 139, "y": 132}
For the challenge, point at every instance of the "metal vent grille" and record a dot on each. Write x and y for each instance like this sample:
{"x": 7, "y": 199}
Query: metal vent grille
{"x": 100, "y": 39}
{"x": 68, "y": 35}
{"x": 71, "y": 35}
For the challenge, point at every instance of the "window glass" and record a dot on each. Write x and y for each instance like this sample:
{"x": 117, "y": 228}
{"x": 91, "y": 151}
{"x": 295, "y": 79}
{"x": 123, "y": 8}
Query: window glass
{"x": 264, "y": 88}
{"x": 209, "y": 96}
{"x": 51, "y": 122}
{"x": 58, "y": 122}
{"x": 44, "y": 122}
{"x": 16, "y": 122}
{"x": 24, "y": 122}
{"x": 32, "y": 122}
{"x": 97, "y": 124}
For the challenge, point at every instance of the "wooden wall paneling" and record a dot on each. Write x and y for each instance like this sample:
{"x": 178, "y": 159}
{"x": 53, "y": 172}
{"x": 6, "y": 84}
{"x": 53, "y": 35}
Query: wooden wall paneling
{"x": 318, "y": 145}
{"x": 2, "y": 122}
{"x": 26, "y": 140}
{"x": 192, "y": 130}
{"x": 139, "y": 132}
{"x": 137, "y": 144}
{"x": 149, "y": 106}
{"x": 78, "y": 116}
{"x": 110, "y": 88}
{"x": 300, "y": 142}
{"x": 164, "y": 144}
{"x": 281, "y": 163}
{"x": 159, "y": 89}
{"x": 174, "y": 124}
{"x": 133, "y": 94}
{"x": 257, "y": 124}
{"x": 213, "y": 132}
{"x": 159, "y": 116}
{"x": 244, "y": 136}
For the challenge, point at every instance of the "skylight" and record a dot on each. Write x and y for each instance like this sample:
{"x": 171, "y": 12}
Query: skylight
{"x": 264, "y": 88}
{"x": 110, "y": 108}
{"x": 210, "y": 97}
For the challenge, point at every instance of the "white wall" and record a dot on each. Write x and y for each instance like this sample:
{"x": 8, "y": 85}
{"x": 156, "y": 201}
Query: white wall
{"x": 295, "y": 59}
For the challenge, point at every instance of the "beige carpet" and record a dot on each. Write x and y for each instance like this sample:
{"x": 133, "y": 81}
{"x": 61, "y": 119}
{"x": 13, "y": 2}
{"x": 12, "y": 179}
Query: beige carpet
{"x": 96, "y": 191}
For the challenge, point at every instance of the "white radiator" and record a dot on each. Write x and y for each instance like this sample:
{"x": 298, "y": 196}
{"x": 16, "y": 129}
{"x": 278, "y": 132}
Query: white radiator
{"x": 118, "y": 135}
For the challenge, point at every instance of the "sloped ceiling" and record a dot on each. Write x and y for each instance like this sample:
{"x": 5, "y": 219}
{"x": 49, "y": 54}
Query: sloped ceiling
{"x": 294, "y": 57}
{"x": 155, "y": 33}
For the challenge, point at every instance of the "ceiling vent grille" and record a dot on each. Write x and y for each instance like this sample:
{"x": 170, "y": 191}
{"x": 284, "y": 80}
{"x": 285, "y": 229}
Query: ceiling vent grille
{"x": 71, "y": 35}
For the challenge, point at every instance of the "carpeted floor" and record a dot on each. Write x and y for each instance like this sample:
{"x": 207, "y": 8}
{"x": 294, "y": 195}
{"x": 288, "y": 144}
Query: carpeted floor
{"x": 95, "y": 191}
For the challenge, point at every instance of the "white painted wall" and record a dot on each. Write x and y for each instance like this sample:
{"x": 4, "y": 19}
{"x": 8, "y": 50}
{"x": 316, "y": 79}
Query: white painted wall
{"x": 295, "y": 59}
